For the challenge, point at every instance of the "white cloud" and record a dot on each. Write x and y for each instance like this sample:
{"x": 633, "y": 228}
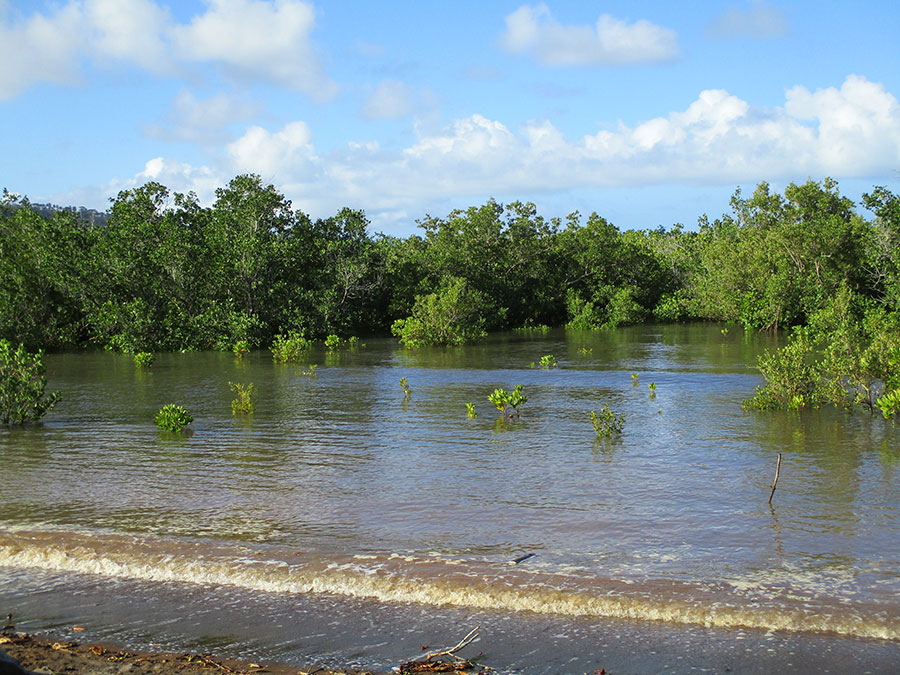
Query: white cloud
{"x": 130, "y": 31}
{"x": 760, "y": 21}
{"x": 287, "y": 154}
{"x": 40, "y": 49}
{"x": 194, "y": 120}
{"x": 390, "y": 100}
{"x": 610, "y": 41}
{"x": 250, "y": 40}
{"x": 848, "y": 132}
{"x": 254, "y": 39}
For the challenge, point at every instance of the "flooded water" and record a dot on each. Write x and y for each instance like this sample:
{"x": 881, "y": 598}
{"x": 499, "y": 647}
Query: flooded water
{"x": 342, "y": 524}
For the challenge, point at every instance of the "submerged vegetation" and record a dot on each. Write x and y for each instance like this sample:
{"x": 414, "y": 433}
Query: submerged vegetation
{"x": 163, "y": 273}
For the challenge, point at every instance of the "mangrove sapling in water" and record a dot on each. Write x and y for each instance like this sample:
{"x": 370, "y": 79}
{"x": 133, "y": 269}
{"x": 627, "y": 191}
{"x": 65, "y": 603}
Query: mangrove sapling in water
{"x": 332, "y": 342}
{"x": 241, "y": 349}
{"x": 470, "y": 410}
{"x": 635, "y": 379}
{"x": 503, "y": 399}
{"x": 310, "y": 371}
{"x": 407, "y": 392}
{"x": 652, "y": 387}
{"x": 246, "y": 400}
{"x": 607, "y": 422}
{"x": 173, "y": 417}
{"x": 22, "y": 385}
{"x": 289, "y": 347}
{"x": 143, "y": 360}
{"x": 548, "y": 361}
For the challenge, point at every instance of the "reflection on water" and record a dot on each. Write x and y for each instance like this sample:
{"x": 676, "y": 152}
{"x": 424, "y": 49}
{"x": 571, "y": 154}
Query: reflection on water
{"x": 339, "y": 465}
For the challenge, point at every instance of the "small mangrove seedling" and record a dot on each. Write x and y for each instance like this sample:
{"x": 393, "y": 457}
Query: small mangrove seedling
{"x": 310, "y": 371}
{"x": 353, "y": 342}
{"x": 173, "y": 417}
{"x": 470, "y": 409}
{"x": 635, "y": 378}
{"x": 503, "y": 399}
{"x": 289, "y": 347}
{"x": 246, "y": 400}
{"x": 143, "y": 359}
{"x": 585, "y": 351}
{"x": 407, "y": 392}
{"x": 724, "y": 331}
{"x": 652, "y": 387}
{"x": 241, "y": 349}
{"x": 332, "y": 342}
{"x": 499, "y": 398}
{"x": 607, "y": 422}
{"x": 548, "y": 361}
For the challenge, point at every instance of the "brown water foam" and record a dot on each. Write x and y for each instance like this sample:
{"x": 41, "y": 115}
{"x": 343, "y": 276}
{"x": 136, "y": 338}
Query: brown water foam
{"x": 435, "y": 581}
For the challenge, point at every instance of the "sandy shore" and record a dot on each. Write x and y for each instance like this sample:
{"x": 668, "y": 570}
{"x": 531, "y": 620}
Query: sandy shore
{"x": 40, "y": 654}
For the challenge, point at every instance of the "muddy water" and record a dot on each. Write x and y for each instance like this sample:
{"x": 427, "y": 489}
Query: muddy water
{"x": 340, "y": 523}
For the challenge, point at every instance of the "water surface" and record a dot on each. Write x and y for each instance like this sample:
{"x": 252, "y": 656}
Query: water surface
{"x": 338, "y": 496}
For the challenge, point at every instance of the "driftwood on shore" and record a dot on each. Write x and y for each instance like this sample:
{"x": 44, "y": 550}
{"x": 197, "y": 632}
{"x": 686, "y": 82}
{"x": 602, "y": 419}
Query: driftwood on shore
{"x": 445, "y": 660}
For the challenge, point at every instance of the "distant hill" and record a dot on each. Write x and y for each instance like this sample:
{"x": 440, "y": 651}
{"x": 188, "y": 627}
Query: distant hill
{"x": 91, "y": 216}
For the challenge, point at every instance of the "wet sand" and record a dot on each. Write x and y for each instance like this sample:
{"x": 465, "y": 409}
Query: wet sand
{"x": 45, "y": 655}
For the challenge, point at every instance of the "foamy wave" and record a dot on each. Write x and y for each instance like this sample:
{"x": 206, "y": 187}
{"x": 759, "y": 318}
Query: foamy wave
{"x": 377, "y": 578}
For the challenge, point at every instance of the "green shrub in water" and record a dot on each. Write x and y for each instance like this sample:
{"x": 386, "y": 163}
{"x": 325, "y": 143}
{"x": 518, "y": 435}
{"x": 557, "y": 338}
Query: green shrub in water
{"x": 173, "y": 417}
{"x": 289, "y": 347}
{"x": 22, "y": 385}
{"x": 245, "y": 402}
{"x": 241, "y": 348}
{"x": 607, "y": 422}
{"x": 143, "y": 359}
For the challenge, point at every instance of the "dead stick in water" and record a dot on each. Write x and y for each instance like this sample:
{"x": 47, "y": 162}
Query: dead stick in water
{"x": 775, "y": 482}
{"x": 459, "y": 645}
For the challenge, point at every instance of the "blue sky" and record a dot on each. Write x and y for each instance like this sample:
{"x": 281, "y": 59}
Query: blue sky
{"x": 648, "y": 113}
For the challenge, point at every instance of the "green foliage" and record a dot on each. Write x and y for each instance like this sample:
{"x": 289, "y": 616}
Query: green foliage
{"x": 241, "y": 349}
{"x": 470, "y": 410}
{"x": 548, "y": 361}
{"x": 503, "y": 400}
{"x": 889, "y": 403}
{"x": 849, "y": 354}
{"x": 652, "y": 387}
{"x": 22, "y": 385}
{"x": 246, "y": 398}
{"x": 143, "y": 359}
{"x": 450, "y": 317}
{"x": 407, "y": 392}
{"x": 792, "y": 376}
{"x": 309, "y": 372}
{"x": 332, "y": 342}
{"x": 499, "y": 397}
{"x": 635, "y": 379}
{"x": 289, "y": 347}
{"x": 586, "y": 351}
{"x": 607, "y": 422}
{"x": 173, "y": 417}
{"x": 165, "y": 273}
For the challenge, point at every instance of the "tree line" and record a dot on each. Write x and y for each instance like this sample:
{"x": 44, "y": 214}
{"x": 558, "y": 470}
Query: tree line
{"x": 161, "y": 272}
